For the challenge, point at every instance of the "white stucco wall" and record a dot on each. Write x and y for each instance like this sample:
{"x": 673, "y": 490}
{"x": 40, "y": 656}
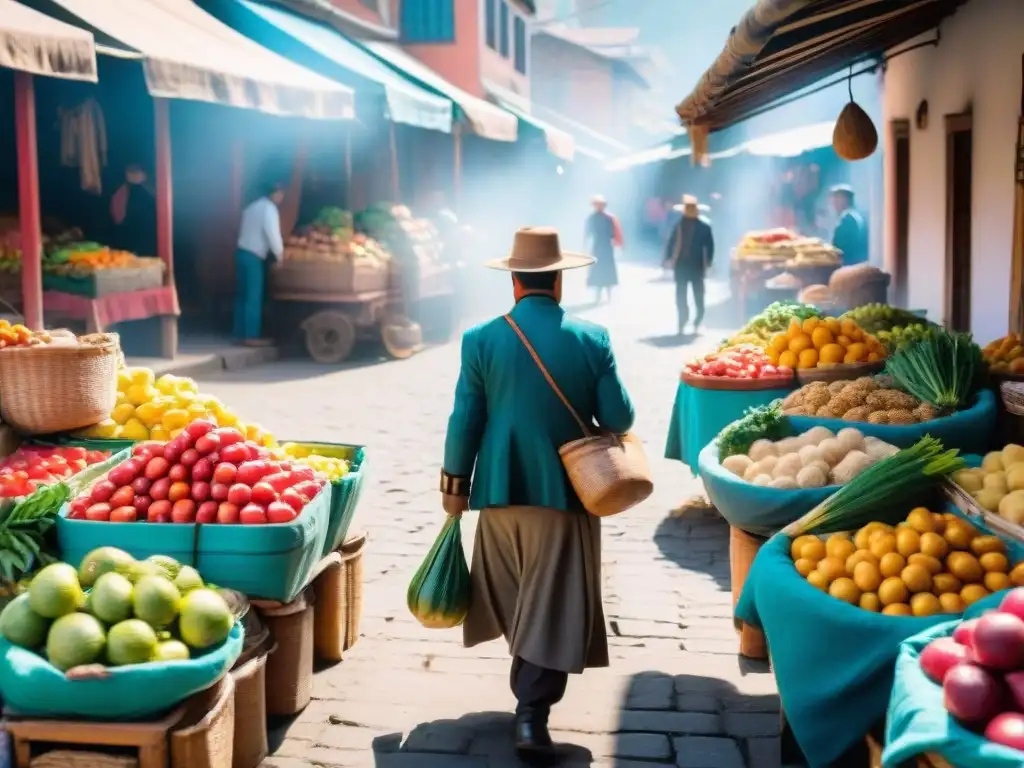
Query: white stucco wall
{"x": 977, "y": 64}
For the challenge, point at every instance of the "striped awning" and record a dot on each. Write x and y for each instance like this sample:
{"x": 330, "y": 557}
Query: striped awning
{"x": 33, "y": 42}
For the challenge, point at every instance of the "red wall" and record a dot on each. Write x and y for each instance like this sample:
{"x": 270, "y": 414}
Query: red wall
{"x": 457, "y": 62}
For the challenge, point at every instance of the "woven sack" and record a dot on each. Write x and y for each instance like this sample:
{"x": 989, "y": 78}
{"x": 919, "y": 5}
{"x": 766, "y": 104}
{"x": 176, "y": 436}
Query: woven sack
{"x": 609, "y": 472}
{"x": 60, "y": 386}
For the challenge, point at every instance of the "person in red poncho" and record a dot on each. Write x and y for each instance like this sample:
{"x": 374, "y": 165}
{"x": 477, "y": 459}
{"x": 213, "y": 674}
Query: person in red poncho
{"x": 602, "y": 236}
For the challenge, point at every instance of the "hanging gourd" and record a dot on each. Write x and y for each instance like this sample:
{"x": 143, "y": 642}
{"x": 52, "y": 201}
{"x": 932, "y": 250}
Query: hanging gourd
{"x": 854, "y": 136}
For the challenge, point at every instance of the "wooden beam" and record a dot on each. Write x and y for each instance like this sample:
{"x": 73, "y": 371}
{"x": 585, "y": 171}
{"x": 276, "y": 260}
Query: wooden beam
{"x": 1017, "y": 260}
{"x": 29, "y": 218}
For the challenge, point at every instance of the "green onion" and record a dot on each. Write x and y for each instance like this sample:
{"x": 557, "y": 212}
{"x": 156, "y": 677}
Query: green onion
{"x": 889, "y": 485}
{"x": 943, "y": 369}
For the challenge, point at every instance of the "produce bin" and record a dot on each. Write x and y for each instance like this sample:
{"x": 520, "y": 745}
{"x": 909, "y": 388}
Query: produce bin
{"x": 289, "y": 670}
{"x": 273, "y": 561}
{"x": 345, "y": 493}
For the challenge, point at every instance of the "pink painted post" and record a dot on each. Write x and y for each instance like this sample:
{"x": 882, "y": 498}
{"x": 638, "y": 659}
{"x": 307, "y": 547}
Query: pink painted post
{"x": 28, "y": 201}
{"x": 165, "y": 216}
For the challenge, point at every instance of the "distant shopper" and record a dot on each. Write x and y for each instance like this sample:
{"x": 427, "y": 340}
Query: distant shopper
{"x": 258, "y": 237}
{"x": 689, "y": 253}
{"x": 133, "y": 212}
{"x": 851, "y": 233}
{"x": 603, "y": 234}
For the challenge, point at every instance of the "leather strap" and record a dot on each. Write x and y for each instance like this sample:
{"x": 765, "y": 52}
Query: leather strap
{"x": 544, "y": 371}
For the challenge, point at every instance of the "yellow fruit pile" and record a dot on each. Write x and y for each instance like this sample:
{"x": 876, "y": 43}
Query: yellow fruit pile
{"x": 1005, "y": 355}
{"x": 334, "y": 467}
{"x": 151, "y": 408}
{"x": 931, "y": 563}
{"x": 822, "y": 342}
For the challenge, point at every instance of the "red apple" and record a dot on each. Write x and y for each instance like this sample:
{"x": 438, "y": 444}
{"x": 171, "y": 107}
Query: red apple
{"x": 122, "y": 497}
{"x": 263, "y": 494}
{"x": 225, "y": 473}
{"x": 207, "y": 444}
{"x": 141, "y": 485}
{"x": 172, "y": 451}
{"x": 227, "y": 513}
{"x": 251, "y": 472}
{"x": 189, "y": 457}
{"x": 253, "y": 514}
{"x": 202, "y": 470}
{"x": 122, "y": 474}
{"x": 157, "y": 467}
{"x": 279, "y": 512}
{"x": 98, "y": 512}
{"x": 239, "y": 494}
{"x": 199, "y": 428}
{"x": 102, "y": 491}
{"x": 178, "y": 473}
{"x": 125, "y": 514}
{"x": 183, "y": 511}
{"x": 234, "y": 453}
{"x": 159, "y": 511}
{"x": 160, "y": 488}
{"x": 207, "y": 512}
{"x": 200, "y": 492}
{"x": 219, "y": 492}
{"x": 279, "y": 481}
{"x": 228, "y": 436}
{"x": 142, "y": 504}
{"x": 292, "y": 498}
{"x": 178, "y": 491}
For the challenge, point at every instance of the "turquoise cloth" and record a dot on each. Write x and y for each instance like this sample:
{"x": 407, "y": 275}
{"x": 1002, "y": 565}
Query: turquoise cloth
{"x": 970, "y": 430}
{"x": 918, "y": 723}
{"x": 700, "y": 414}
{"x": 30, "y": 685}
{"x": 508, "y": 420}
{"x": 754, "y": 508}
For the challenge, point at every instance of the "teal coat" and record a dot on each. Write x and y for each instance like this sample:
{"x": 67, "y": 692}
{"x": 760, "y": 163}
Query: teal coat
{"x": 509, "y": 423}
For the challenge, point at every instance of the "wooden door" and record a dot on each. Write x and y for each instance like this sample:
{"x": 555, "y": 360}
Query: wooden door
{"x": 959, "y": 154}
{"x": 901, "y": 209}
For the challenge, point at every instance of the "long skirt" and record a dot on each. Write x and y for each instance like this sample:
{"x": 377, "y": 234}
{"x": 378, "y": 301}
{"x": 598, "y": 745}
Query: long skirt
{"x": 603, "y": 273}
{"x": 536, "y": 580}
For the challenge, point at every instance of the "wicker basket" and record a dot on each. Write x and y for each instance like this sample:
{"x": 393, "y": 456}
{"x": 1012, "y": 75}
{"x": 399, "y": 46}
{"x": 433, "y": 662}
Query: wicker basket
{"x": 743, "y": 548}
{"x": 206, "y": 739}
{"x": 609, "y": 477}
{"x": 352, "y": 575}
{"x": 329, "y": 610}
{"x": 60, "y": 386}
{"x": 289, "y": 670}
{"x": 841, "y": 372}
{"x": 251, "y": 745}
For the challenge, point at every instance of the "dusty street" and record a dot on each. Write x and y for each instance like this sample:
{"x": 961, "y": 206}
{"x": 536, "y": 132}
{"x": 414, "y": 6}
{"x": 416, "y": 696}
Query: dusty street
{"x": 676, "y": 693}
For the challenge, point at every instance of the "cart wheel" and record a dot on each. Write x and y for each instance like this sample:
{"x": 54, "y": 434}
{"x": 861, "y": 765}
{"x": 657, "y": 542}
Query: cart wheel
{"x": 401, "y": 337}
{"x": 330, "y": 336}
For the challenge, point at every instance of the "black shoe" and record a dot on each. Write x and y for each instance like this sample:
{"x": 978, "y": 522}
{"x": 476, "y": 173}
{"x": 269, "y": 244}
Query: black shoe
{"x": 532, "y": 737}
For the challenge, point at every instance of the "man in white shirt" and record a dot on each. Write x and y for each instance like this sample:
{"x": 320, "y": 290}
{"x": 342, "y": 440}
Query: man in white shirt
{"x": 258, "y": 236}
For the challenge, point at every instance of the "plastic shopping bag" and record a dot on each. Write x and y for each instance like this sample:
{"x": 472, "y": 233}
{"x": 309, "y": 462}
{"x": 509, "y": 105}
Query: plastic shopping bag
{"x": 438, "y": 594}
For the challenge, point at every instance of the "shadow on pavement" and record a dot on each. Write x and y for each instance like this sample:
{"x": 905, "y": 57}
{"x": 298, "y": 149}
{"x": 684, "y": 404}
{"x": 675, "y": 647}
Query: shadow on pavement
{"x": 671, "y": 340}
{"x": 485, "y": 735}
{"x": 697, "y": 541}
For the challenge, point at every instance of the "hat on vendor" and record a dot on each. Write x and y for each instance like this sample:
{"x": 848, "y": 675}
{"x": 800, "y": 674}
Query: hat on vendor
{"x": 536, "y": 249}
{"x": 688, "y": 206}
{"x": 598, "y": 201}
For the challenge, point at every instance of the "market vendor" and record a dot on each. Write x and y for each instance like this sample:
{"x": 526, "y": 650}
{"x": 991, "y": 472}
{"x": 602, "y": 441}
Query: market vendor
{"x": 851, "y": 233}
{"x": 133, "y": 212}
{"x": 259, "y": 235}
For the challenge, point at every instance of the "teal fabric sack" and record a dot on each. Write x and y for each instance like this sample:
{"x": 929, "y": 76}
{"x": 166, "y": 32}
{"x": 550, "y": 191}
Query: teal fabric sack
{"x": 918, "y": 723}
{"x": 700, "y": 414}
{"x": 30, "y": 685}
{"x": 970, "y": 431}
{"x": 753, "y": 508}
{"x": 439, "y": 593}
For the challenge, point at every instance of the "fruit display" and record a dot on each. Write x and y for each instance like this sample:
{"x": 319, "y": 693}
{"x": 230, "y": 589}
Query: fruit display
{"x": 944, "y": 369}
{"x": 404, "y": 235}
{"x": 18, "y": 335}
{"x": 86, "y": 258}
{"x": 773, "y": 319}
{"x": 331, "y": 237}
{"x": 23, "y": 532}
{"x": 928, "y": 564}
{"x": 784, "y": 245}
{"x": 31, "y": 466}
{"x": 998, "y": 484}
{"x": 333, "y": 468}
{"x": 151, "y": 408}
{"x": 873, "y": 318}
{"x": 824, "y": 342}
{"x": 744, "y": 361}
{"x": 1004, "y": 355}
{"x": 115, "y": 611}
{"x": 902, "y": 336}
{"x": 871, "y": 399}
{"x": 981, "y": 671}
{"x": 812, "y": 460}
{"x": 207, "y": 474}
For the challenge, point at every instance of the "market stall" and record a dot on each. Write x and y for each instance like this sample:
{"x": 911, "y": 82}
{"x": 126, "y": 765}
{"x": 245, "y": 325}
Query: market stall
{"x": 380, "y": 274}
{"x": 108, "y": 620}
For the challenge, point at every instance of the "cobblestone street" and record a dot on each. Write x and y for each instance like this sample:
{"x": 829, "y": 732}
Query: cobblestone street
{"x": 676, "y": 693}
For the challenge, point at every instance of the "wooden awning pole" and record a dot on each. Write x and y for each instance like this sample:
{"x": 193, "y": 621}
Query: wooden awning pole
{"x": 29, "y": 218}
{"x": 396, "y": 190}
{"x": 457, "y": 165}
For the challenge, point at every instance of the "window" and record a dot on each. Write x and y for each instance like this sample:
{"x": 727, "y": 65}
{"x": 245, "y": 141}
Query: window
{"x": 490, "y": 24}
{"x": 428, "y": 21}
{"x": 503, "y": 30}
{"x": 520, "y": 52}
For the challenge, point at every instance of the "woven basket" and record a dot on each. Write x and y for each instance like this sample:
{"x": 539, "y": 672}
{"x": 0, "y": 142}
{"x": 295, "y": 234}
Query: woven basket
{"x": 743, "y": 548}
{"x": 289, "y": 669}
{"x": 1012, "y": 422}
{"x": 329, "y": 611}
{"x": 66, "y": 758}
{"x": 251, "y": 745}
{"x": 59, "y": 387}
{"x": 352, "y": 575}
{"x": 841, "y": 372}
{"x": 609, "y": 473}
{"x": 207, "y": 740}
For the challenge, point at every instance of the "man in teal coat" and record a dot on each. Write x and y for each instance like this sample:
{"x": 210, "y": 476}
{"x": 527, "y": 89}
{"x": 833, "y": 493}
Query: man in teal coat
{"x": 536, "y": 570}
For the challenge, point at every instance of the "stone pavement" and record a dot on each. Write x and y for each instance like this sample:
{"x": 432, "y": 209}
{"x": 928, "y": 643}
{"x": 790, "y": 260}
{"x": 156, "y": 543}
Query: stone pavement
{"x": 676, "y": 692}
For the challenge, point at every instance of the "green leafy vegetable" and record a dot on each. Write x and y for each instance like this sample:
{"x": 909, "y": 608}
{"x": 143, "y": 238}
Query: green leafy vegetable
{"x": 944, "y": 369}
{"x": 765, "y": 422}
{"x": 23, "y": 526}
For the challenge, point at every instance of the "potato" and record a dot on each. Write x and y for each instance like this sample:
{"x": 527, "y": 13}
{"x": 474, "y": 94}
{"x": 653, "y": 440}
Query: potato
{"x": 993, "y": 462}
{"x": 764, "y": 448}
{"x": 815, "y": 435}
{"x": 969, "y": 479}
{"x": 787, "y": 466}
{"x": 812, "y": 477}
{"x": 1012, "y": 507}
{"x": 996, "y": 481}
{"x": 1015, "y": 476}
{"x": 989, "y": 498}
{"x": 1013, "y": 454}
{"x": 736, "y": 464}
{"x": 763, "y": 480}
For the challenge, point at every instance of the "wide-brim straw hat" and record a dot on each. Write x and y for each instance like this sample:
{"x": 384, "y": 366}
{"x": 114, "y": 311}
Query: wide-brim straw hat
{"x": 536, "y": 249}
{"x": 598, "y": 200}
{"x": 688, "y": 201}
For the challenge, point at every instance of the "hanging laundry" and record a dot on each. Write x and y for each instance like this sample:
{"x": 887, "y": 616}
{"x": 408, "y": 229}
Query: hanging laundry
{"x": 83, "y": 143}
